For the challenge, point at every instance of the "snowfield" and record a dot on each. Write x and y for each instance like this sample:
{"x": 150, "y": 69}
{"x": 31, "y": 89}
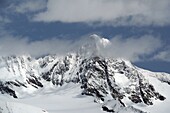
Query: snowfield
{"x": 13, "y": 107}
{"x": 66, "y": 99}
{"x": 81, "y": 82}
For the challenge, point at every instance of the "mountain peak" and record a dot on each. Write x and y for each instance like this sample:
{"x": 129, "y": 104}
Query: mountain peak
{"x": 114, "y": 83}
{"x": 94, "y": 45}
{"x": 100, "y": 40}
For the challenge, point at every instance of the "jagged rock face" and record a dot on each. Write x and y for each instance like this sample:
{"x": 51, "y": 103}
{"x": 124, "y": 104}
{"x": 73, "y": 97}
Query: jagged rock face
{"x": 105, "y": 79}
{"x": 108, "y": 80}
{"x": 113, "y": 80}
{"x": 61, "y": 70}
{"x": 5, "y": 89}
{"x": 18, "y": 72}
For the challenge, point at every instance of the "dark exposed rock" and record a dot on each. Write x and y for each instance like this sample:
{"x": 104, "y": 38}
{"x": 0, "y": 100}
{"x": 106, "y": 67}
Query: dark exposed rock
{"x": 97, "y": 69}
{"x": 5, "y": 89}
{"x": 135, "y": 98}
{"x": 46, "y": 76}
{"x": 97, "y": 77}
{"x": 34, "y": 81}
{"x": 21, "y": 84}
{"x": 107, "y": 110}
{"x": 58, "y": 69}
{"x": 12, "y": 83}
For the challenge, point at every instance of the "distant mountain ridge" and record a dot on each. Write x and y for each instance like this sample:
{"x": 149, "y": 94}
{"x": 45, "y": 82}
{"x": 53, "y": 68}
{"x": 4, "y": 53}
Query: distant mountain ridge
{"x": 115, "y": 83}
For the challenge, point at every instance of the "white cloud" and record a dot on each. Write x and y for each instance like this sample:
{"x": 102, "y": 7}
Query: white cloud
{"x": 117, "y": 12}
{"x": 18, "y": 46}
{"x": 29, "y": 6}
{"x": 163, "y": 55}
{"x": 130, "y": 48}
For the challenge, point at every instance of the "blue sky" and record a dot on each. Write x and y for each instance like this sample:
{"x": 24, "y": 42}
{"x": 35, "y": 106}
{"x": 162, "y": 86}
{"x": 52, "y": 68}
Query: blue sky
{"x": 138, "y": 30}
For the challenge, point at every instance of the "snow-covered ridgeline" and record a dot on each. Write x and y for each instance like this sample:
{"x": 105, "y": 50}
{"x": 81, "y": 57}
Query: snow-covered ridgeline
{"x": 116, "y": 84}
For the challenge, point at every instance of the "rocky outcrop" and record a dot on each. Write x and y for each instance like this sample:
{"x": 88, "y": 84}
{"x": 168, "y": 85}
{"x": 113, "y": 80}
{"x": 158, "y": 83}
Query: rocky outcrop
{"x": 4, "y": 89}
{"x": 107, "y": 80}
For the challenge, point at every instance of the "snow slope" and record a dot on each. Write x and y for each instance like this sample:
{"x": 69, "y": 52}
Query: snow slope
{"x": 65, "y": 99}
{"x": 13, "y": 107}
{"x": 83, "y": 81}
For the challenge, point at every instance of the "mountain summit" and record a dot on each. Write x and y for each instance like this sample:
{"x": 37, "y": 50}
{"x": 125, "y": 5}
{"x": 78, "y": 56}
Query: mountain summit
{"x": 116, "y": 84}
{"x": 94, "y": 46}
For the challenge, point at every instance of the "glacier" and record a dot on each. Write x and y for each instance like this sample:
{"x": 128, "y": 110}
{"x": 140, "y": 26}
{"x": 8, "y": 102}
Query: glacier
{"x": 82, "y": 81}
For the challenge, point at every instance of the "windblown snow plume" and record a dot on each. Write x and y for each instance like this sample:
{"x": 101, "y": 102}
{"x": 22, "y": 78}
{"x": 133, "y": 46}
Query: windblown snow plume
{"x": 73, "y": 82}
{"x": 131, "y": 48}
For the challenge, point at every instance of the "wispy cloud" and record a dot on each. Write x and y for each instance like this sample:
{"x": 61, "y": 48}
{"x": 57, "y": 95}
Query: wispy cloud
{"x": 163, "y": 55}
{"x": 28, "y": 6}
{"x": 115, "y": 12}
{"x": 130, "y": 48}
{"x": 10, "y": 45}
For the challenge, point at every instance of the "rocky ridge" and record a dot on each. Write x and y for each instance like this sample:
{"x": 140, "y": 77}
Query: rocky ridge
{"x": 112, "y": 82}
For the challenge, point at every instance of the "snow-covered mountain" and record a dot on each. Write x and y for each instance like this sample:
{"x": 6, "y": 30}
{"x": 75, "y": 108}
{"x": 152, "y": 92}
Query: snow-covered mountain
{"x": 11, "y": 107}
{"x": 115, "y": 84}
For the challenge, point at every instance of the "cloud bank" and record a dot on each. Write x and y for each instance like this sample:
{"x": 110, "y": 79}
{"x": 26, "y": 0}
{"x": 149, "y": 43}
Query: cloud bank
{"x": 134, "y": 49}
{"x": 163, "y": 55}
{"x": 10, "y": 45}
{"x": 26, "y": 6}
{"x": 115, "y": 12}
{"x": 130, "y": 48}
